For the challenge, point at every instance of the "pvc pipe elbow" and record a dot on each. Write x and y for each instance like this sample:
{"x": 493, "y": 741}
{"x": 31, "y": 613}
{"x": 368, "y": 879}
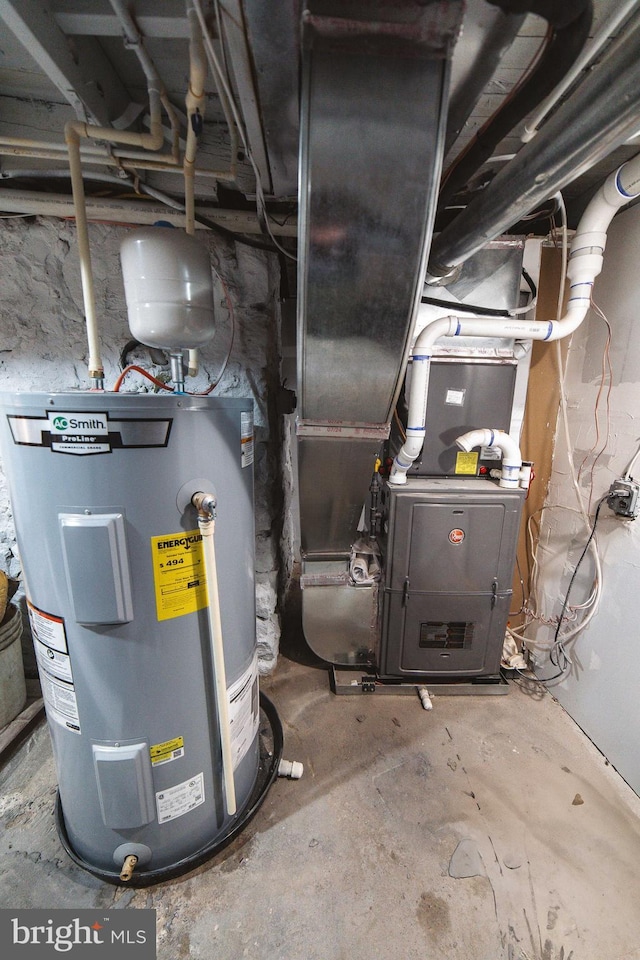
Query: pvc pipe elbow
{"x": 511, "y": 457}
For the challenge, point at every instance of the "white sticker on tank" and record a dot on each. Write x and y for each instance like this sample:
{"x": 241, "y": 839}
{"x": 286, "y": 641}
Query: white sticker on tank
{"x": 60, "y": 702}
{"x": 246, "y": 439}
{"x": 178, "y": 800}
{"x": 244, "y": 711}
{"x": 55, "y": 663}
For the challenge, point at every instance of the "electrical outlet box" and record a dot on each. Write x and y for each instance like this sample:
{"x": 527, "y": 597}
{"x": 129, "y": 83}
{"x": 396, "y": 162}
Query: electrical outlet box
{"x": 623, "y": 498}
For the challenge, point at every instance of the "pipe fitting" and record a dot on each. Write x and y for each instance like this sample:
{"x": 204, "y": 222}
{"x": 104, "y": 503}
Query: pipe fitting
{"x": 205, "y": 504}
{"x": 128, "y": 867}
{"x": 291, "y": 769}
{"x": 511, "y": 457}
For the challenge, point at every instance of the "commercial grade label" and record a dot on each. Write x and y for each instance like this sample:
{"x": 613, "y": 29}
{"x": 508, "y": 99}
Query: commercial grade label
{"x": 87, "y": 432}
{"x": 179, "y": 574}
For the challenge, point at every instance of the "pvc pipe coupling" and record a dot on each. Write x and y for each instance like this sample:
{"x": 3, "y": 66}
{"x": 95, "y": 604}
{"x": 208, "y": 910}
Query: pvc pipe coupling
{"x": 291, "y": 769}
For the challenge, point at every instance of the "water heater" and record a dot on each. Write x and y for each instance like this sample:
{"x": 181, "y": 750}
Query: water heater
{"x": 101, "y": 487}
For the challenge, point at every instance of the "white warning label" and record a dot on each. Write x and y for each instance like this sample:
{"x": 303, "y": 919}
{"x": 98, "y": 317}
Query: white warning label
{"x": 180, "y": 799}
{"x": 244, "y": 711}
{"x": 246, "y": 439}
{"x": 54, "y": 667}
{"x": 60, "y": 701}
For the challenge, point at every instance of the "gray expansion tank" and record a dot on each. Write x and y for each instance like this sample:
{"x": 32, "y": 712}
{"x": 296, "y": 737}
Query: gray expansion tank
{"x": 100, "y": 485}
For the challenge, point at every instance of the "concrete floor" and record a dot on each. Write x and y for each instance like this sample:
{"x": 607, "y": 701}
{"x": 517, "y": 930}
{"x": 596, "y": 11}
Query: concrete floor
{"x": 353, "y": 861}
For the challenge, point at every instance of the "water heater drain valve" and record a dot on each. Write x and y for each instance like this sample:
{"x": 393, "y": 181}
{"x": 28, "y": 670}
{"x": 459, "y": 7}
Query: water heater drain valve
{"x": 623, "y": 498}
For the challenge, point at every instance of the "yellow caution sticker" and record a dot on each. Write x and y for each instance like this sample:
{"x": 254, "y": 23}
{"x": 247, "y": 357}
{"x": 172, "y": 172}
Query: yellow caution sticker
{"x": 467, "y": 463}
{"x": 169, "y": 750}
{"x": 179, "y": 574}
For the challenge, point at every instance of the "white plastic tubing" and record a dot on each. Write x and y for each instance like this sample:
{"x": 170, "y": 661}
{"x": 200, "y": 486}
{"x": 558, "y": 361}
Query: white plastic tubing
{"x": 585, "y": 263}
{"x": 206, "y": 525}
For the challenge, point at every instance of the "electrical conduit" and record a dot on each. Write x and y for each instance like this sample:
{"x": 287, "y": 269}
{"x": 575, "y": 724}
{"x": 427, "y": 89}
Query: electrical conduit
{"x": 205, "y": 504}
{"x": 585, "y": 264}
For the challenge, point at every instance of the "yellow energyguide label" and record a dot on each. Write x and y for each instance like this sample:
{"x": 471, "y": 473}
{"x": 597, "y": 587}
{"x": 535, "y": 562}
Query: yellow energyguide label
{"x": 178, "y": 574}
{"x": 467, "y": 463}
{"x": 169, "y": 750}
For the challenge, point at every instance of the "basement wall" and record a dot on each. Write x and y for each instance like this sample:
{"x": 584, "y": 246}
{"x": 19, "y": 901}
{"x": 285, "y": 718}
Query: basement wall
{"x": 43, "y": 347}
{"x": 600, "y": 693}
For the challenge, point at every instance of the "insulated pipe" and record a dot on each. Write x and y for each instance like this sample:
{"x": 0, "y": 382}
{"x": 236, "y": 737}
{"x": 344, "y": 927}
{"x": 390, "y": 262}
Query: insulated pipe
{"x": 609, "y": 26}
{"x": 585, "y": 263}
{"x": 134, "y": 41}
{"x": 569, "y": 24}
{"x": 511, "y": 456}
{"x": 596, "y": 119}
{"x": 205, "y": 504}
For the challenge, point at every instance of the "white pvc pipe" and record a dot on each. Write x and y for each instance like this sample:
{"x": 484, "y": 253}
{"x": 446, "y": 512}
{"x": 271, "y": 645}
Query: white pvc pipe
{"x": 511, "y": 457}
{"x": 585, "y": 264}
{"x": 207, "y": 527}
{"x": 617, "y": 16}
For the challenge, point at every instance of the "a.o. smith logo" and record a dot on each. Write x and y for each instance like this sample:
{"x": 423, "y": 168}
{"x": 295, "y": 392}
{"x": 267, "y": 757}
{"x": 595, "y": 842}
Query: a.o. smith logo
{"x": 79, "y": 423}
{"x": 48, "y": 933}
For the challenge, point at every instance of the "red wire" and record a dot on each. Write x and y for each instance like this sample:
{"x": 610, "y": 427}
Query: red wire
{"x": 145, "y": 373}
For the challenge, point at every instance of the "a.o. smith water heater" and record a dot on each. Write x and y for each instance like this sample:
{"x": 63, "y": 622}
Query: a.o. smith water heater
{"x": 101, "y": 487}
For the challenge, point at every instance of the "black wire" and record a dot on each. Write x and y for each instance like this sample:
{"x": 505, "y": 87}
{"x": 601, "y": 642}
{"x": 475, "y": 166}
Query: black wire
{"x": 557, "y": 642}
{"x": 465, "y": 307}
{"x": 482, "y": 311}
{"x": 236, "y": 237}
{"x": 530, "y": 283}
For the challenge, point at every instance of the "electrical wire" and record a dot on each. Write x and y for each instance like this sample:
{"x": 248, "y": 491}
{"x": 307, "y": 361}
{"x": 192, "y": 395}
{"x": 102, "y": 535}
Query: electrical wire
{"x": 592, "y": 602}
{"x": 606, "y": 371}
{"x": 558, "y": 654}
{"x": 144, "y": 373}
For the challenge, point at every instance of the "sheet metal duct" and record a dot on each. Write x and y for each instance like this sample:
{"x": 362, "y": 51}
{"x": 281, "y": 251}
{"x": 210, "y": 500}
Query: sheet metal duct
{"x": 373, "y": 112}
{"x": 373, "y": 105}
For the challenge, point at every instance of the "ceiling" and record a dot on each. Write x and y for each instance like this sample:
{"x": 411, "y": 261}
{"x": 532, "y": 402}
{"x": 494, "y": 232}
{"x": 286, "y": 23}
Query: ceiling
{"x": 63, "y": 60}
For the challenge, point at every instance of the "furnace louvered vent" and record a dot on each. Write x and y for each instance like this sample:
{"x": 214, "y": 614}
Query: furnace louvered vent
{"x": 454, "y": 635}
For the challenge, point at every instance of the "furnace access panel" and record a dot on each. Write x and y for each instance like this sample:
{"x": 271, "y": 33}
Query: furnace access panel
{"x": 450, "y": 553}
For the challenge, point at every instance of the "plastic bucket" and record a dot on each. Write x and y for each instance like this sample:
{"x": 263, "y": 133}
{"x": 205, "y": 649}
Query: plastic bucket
{"x": 13, "y": 693}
